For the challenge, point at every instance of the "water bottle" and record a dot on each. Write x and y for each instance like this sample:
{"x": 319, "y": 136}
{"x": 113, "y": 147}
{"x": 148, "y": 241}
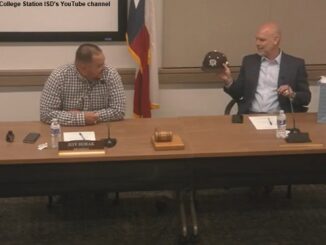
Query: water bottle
{"x": 55, "y": 133}
{"x": 281, "y": 125}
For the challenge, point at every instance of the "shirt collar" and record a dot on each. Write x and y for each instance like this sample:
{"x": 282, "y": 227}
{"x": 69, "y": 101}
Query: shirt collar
{"x": 80, "y": 77}
{"x": 84, "y": 79}
{"x": 277, "y": 60}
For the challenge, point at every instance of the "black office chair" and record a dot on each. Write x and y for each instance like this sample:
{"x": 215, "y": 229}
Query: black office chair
{"x": 229, "y": 107}
{"x": 227, "y": 111}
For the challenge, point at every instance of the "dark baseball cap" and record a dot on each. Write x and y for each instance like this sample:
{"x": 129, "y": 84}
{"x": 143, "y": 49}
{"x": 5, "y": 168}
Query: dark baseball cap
{"x": 213, "y": 61}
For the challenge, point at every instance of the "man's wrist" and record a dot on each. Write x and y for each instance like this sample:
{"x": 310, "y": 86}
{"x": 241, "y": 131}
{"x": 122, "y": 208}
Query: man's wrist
{"x": 228, "y": 83}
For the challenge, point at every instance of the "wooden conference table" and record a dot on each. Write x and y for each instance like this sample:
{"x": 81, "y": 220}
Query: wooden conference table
{"x": 217, "y": 153}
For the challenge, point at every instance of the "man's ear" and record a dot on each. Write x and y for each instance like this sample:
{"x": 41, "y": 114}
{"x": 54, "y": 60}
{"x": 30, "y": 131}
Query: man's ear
{"x": 81, "y": 67}
{"x": 277, "y": 40}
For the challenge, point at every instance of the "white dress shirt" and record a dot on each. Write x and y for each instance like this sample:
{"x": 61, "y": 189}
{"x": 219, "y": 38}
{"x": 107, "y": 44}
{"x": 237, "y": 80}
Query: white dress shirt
{"x": 266, "y": 97}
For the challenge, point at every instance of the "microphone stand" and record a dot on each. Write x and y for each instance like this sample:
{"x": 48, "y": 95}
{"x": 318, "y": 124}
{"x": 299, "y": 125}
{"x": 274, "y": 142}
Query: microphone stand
{"x": 295, "y": 135}
{"x": 110, "y": 142}
{"x": 293, "y": 130}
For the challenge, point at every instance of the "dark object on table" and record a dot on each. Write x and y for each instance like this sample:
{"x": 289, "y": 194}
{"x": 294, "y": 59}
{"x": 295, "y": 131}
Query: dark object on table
{"x": 10, "y": 137}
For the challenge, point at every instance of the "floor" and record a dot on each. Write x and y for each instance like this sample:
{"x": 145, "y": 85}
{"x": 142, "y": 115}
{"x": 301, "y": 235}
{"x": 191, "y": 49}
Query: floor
{"x": 225, "y": 216}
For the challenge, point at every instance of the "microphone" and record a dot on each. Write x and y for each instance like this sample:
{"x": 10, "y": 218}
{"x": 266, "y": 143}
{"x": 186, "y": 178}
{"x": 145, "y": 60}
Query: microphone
{"x": 110, "y": 142}
{"x": 293, "y": 130}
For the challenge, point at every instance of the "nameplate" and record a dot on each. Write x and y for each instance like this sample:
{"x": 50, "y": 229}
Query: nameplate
{"x": 81, "y": 145}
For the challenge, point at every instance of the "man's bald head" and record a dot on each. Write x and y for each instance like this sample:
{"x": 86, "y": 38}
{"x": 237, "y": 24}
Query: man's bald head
{"x": 268, "y": 40}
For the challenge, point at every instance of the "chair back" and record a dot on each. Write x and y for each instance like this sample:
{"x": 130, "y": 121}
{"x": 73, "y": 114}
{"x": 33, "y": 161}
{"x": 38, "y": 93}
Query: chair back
{"x": 229, "y": 107}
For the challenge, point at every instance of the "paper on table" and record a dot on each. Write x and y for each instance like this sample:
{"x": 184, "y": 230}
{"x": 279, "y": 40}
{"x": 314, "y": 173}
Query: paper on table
{"x": 83, "y": 135}
{"x": 264, "y": 122}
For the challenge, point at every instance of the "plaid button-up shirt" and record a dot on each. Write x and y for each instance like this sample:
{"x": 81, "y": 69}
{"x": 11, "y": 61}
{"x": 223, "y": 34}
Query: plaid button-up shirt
{"x": 66, "y": 95}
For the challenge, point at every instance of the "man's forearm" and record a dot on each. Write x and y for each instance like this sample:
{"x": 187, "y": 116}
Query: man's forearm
{"x": 110, "y": 114}
{"x": 65, "y": 118}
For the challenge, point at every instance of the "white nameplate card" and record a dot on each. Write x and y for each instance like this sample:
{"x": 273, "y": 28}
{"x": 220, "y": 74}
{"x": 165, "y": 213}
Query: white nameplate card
{"x": 82, "y": 135}
{"x": 80, "y": 143}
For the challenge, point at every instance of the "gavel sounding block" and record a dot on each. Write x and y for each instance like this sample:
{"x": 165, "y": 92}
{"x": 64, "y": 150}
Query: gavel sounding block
{"x": 175, "y": 144}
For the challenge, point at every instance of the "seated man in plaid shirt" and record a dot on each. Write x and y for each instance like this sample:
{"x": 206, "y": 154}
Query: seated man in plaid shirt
{"x": 83, "y": 93}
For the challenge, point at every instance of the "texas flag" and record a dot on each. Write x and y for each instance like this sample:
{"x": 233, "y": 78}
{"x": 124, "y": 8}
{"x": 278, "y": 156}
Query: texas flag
{"x": 141, "y": 41}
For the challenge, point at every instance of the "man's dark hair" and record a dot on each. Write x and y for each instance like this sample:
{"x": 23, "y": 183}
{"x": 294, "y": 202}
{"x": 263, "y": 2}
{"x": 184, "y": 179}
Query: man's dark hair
{"x": 86, "y": 51}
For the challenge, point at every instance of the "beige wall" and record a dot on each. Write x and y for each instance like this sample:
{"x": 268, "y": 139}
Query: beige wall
{"x": 176, "y": 100}
{"x": 192, "y": 28}
{"x": 180, "y": 95}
